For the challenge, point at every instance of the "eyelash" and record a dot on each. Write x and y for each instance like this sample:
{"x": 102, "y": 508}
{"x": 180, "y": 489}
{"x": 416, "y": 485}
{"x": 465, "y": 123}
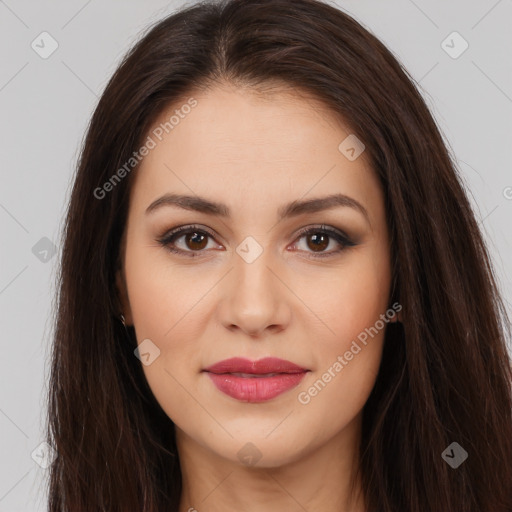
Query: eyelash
{"x": 172, "y": 236}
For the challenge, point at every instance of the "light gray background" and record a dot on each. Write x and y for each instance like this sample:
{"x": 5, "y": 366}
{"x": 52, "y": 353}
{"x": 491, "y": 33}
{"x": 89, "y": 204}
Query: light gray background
{"x": 46, "y": 105}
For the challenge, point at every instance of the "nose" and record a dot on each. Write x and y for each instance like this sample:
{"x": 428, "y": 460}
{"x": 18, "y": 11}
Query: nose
{"x": 255, "y": 298}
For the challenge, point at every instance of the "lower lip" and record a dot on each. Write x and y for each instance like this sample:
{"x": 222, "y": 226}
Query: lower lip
{"x": 255, "y": 389}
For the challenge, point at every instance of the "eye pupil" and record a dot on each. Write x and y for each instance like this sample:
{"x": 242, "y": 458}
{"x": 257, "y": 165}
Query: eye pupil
{"x": 322, "y": 238}
{"x": 194, "y": 235}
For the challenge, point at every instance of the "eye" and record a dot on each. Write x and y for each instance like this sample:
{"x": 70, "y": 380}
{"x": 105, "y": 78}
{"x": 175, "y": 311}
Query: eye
{"x": 318, "y": 238}
{"x": 196, "y": 239}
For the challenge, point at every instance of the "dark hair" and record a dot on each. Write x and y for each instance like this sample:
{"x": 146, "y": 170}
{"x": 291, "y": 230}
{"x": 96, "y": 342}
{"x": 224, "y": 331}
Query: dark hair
{"x": 445, "y": 374}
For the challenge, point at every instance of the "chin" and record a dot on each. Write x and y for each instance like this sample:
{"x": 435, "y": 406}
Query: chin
{"x": 260, "y": 452}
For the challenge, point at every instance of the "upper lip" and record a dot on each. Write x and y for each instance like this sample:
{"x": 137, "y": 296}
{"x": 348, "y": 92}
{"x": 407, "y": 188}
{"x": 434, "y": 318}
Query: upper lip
{"x": 261, "y": 366}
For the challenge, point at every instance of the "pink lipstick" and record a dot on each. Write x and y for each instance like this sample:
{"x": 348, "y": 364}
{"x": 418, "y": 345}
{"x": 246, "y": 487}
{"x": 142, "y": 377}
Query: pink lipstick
{"x": 255, "y": 381}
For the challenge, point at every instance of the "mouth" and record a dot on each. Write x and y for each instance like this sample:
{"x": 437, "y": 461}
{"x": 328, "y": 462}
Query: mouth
{"x": 255, "y": 381}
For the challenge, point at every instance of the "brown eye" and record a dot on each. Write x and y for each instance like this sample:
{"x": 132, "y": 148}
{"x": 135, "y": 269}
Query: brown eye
{"x": 318, "y": 239}
{"x": 196, "y": 240}
{"x": 317, "y": 242}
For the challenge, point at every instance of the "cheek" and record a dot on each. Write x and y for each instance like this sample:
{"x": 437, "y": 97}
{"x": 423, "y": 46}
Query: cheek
{"x": 170, "y": 306}
{"x": 165, "y": 309}
{"x": 163, "y": 296}
{"x": 349, "y": 300}
{"x": 350, "y": 349}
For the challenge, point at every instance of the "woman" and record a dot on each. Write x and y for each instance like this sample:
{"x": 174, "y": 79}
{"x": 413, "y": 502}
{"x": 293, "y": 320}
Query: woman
{"x": 274, "y": 293}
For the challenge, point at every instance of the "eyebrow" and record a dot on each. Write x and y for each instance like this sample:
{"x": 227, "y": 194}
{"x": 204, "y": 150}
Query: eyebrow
{"x": 293, "y": 209}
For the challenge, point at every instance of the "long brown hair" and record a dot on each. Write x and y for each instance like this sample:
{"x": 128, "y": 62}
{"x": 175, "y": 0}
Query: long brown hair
{"x": 445, "y": 374}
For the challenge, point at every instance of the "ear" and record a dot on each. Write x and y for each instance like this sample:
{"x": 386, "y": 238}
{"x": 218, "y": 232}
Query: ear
{"x": 122, "y": 294}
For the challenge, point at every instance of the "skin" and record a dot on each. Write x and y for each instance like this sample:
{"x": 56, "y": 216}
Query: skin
{"x": 255, "y": 152}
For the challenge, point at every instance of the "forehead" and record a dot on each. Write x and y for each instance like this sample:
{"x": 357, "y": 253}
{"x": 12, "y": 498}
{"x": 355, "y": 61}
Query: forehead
{"x": 238, "y": 144}
{"x": 233, "y": 123}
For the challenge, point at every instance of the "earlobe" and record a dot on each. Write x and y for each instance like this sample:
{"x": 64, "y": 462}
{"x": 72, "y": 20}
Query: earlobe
{"x": 122, "y": 294}
{"x": 397, "y": 318}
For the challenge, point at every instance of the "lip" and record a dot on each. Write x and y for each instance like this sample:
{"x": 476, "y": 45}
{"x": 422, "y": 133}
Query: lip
{"x": 255, "y": 381}
{"x": 261, "y": 366}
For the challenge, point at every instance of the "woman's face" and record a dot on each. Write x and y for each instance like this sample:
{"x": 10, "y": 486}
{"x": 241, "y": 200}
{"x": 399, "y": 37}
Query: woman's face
{"x": 249, "y": 284}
